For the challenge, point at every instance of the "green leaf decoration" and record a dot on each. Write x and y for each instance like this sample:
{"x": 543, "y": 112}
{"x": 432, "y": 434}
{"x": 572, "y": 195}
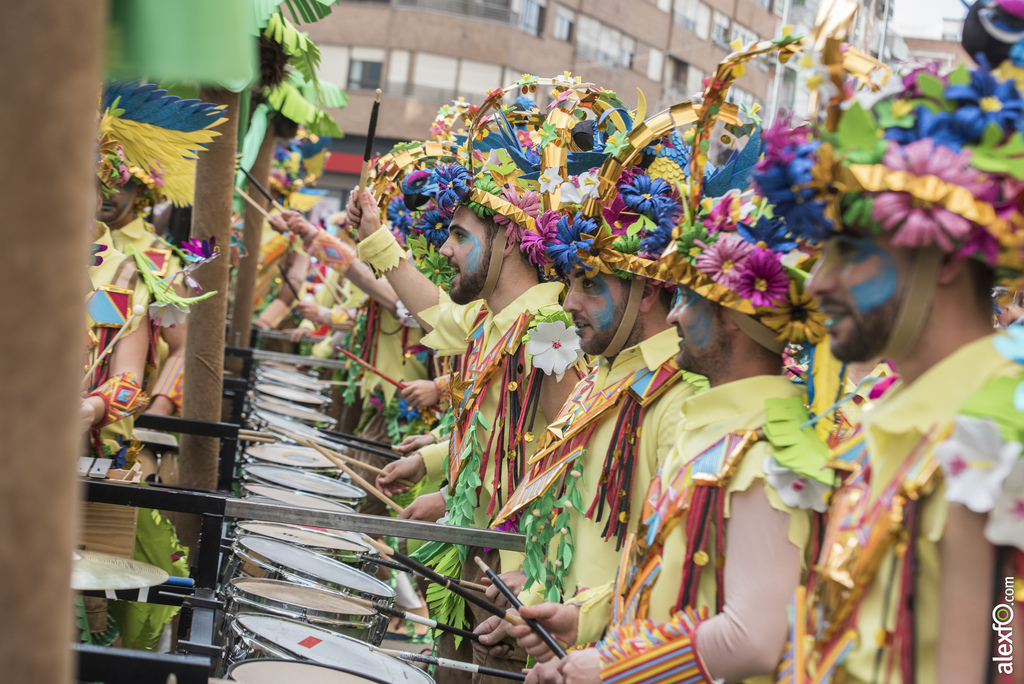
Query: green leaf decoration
{"x": 959, "y": 76}
{"x": 289, "y": 100}
{"x": 643, "y": 223}
{"x": 992, "y": 156}
{"x": 795, "y": 447}
{"x": 627, "y": 244}
{"x": 548, "y": 133}
{"x": 932, "y": 87}
{"x": 857, "y": 129}
{"x": 505, "y": 165}
{"x": 887, "y": 119}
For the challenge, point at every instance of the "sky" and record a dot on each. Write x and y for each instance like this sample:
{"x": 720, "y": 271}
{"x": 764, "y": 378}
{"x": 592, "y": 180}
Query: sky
{"x": 923, "y": 18}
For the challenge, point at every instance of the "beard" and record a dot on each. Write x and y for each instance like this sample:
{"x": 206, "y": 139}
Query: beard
{"x": 469, "y": 284}
{"x": 710, "y": 361}
{"x": 593, "y": 340}
{"x": 865, "y": 335}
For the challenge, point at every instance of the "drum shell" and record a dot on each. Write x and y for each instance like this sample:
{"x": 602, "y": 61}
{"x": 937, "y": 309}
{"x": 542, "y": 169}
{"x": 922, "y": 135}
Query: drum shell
{"x": 301, "y": 458}
{"x": 298, "y": 396}
{"x": 349, "y": 557}
{"x": 241, "y": 601}
{"x": 291, "y": 378}
{"x": 332, "y": 489}
{"x": 246, "y": 562}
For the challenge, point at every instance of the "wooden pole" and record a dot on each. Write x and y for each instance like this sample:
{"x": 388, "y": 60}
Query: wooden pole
{"x": 245, "y": 279}
{"x": 48, "y": 191}
{"x": 204, "y": 363}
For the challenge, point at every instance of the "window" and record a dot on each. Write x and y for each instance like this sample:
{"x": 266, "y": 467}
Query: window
{"x": 604, "y": 44}
{"x": 720, "y": 29}
{"x": 531, "y": 17}
{"x": 365, "y": 68}
{"x": 745, "y": 35}
{"x": 740, "y": 97}
{"x": 564, "y": 21}
{"x": 655, "y": 64}
{"x": 680, "y": 74}
{"x": 766, "y": 4}
{"x": 664, "y": 5}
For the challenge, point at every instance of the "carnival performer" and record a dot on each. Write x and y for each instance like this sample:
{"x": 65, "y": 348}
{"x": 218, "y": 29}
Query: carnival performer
{"x": 128, "y": 194}
{"x": 728, "y": 521}
{"x": 925, "y": 535}
{"x": 589, "y": 475}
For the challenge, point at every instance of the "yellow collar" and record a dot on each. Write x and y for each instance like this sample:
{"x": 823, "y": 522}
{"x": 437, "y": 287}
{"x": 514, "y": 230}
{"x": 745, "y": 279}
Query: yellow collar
{"x": 941, "y": 390}
{"x": 720, "y": 403}
{"x": 652, "y": 352}
{"x": 538, "y": 296}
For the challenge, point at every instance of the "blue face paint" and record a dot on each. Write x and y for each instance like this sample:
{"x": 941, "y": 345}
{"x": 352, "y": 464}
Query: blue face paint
{"x": 698, "y": 333}
{"x": 473, "y": 256}
{"x": 879, "y": 288}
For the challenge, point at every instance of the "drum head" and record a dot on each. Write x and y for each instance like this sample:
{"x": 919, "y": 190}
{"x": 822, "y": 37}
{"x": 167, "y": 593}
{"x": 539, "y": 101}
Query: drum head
{"x": 296, "y": 411}
{"x": 309, "y": 598}
{"x": 292, "y": 378}
{"x": 311, "y": 566}
{"x": 286, "y": 426}
{"x": 290, "y": 478}
{"x": 334, "y": 540}
{"x": 294, "y": 456}
{"x": 292, "y": 394}
{"x": 290, "y": 497}
{"x": 91, "y": 571}
{"x": 327, "y": 648}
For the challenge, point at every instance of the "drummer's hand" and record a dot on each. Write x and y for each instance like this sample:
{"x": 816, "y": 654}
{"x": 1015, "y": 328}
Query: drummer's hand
{"x": 363, "y": 212}
{"x": 420, "y": 393}
{"x": 545, "y": 673}
{"x": 514, "y": 580}
{"x": 299, "y": 225}
{"x": 308, "y": 310}
{"x": 261, "y": 324}
{"x": 492, "y": 631}
{"x": 414, "y": 443}
{"x": 87, "y": 414}
{"x": 560, "y": 620}
{"x": 581, "y": 667}
{"x": 297, "y": 333}
{"x": 278, "y": 223}
{"x": 409, "y": 468}
{"x": 429, "y": 508}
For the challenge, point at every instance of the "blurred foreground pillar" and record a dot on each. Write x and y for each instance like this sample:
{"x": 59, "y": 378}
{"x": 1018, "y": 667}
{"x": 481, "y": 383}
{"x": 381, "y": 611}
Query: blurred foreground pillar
{"x": 48, "y": 121}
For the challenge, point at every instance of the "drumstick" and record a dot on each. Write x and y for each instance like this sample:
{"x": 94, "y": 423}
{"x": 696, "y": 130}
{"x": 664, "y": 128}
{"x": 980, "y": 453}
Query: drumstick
{"x": 368, "y": 449}
{"x": 252, "y": 436}
{"x": 462, "y": 591}
{"x": 262, "y": 190}
{"x": 356, "y": 438}
{"x": 391, "y": 611}
{"x": 253, "y": 203}
{"x": 377, "y": 560}
{"x": 371, "y": 133}
{"x": 369, "y": 367}
{"x": 511, "y": 597}
{"x": 355, "y": 476}
{"x": 366, "y": 466}
{"x": 451, "y": 664}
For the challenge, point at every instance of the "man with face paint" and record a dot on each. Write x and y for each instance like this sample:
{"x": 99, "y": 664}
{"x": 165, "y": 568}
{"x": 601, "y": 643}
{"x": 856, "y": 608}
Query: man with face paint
{"x": 926, "y": 528}
{"x": 587, "y": 485}
{"x": 702, "y": 587}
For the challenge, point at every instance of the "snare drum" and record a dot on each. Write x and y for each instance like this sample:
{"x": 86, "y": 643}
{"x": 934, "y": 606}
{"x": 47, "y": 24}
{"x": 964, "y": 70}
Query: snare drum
{"x": 296, "y": 411}
{"x": 307, "y": 459}
{"x": 313, "y": 605}
{"x": 290, "y": 497}
{"x": 307, "y": 483}
{"x": 291, "y": 378}
{"x": 337, "y": 662}
{"x": 343, "y": 546}
{"x": 292, "y": 394}
{"x": 282, "y": 425}
{"x": 265, "y": 558}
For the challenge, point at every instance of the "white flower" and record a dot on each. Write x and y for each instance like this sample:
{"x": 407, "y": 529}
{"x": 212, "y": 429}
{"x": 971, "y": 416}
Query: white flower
{"x": 550, "y": 179}
{"x": 167, "y": 314}
{"x": 815, "y": 76}
{"x": 795, "y": 490}
{"x": 554, "y": 347}
{"x": 404, "y": 315}
{"x": 1006, "y": 521}
{"x": 976, "y": 460}
{"x": 586, "y": 186}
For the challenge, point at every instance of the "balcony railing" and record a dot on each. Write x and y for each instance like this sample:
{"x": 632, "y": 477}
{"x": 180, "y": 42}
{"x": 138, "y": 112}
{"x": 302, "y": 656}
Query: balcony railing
{"x": 491, "y": 11}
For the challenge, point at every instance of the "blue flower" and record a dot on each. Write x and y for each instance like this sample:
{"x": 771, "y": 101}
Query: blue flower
{"x": 407, "y": 411}
{"x": 434, "y": 227}
{"x": 985, "y": 101}
{"x": 658, "y": 239}
{"x": 644, "y": 195}
{"x": 779, "y": 182}
{"x": 941, "y": 127}
{"x": 772, "y": 232}
{"x": 453, "y": 185}
{"x": 564, "y": 249}
{"x": 399, "y": 215}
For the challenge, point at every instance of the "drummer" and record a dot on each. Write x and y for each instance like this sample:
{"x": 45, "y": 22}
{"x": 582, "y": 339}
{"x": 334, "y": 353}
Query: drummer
{"x": 602, "y": 459}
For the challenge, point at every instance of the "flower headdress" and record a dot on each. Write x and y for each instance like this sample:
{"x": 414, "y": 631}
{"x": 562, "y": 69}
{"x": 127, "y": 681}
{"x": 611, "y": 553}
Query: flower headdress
{"x": 151, "y": 138}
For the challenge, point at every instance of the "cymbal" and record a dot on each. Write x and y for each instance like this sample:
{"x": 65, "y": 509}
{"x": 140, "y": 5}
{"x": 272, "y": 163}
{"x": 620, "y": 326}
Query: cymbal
{"x": 92, "y": 571}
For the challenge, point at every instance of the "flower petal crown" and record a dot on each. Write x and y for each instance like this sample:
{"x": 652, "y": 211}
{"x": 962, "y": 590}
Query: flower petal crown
{"x": 932, "y": 160}
{"x": 154, "y": 138}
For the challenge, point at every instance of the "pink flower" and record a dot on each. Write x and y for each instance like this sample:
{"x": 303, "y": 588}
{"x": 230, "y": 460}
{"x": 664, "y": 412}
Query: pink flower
{"x": 529, "y": 202}
{"x": 720, "y": 218}
{"x": 533, "y": 243}
{"x": 982, "y": 243}
{"x": 918, "y": 223}
{"x": 762, "y": 279}
{"x": 618, "y": 216}
{"x": 724, "y": 260}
